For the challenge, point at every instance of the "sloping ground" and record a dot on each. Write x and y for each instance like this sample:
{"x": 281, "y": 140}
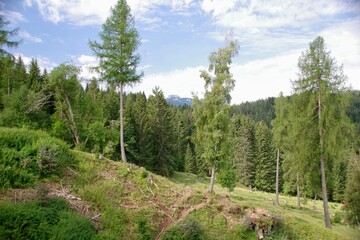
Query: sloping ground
{"x": 128, "y": 202}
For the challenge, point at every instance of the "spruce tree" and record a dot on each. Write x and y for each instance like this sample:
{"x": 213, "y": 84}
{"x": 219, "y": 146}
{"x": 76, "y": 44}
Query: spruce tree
{"x": 244, "y": 155}
{"x": 117, "y": 54}
{"x": 161, "y": 135}
{"x": 265, "y": 160}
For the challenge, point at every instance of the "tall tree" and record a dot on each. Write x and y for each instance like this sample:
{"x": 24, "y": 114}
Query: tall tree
{"x": 321, "y": 86}
{"x": 265, "y": 162}
{"x": 161, "y": 134}
{"x": 244, "y": 155}
{"x": 280, "y": 129}
{"x": 117, "y": 54}
{"x": 34, "y": 78}
{"x": 212, "y": 112}
{"x": 63, "y": 80}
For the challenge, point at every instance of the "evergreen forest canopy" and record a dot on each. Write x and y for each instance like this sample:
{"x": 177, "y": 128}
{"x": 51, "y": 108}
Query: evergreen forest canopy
{"x": 314, "y": 133}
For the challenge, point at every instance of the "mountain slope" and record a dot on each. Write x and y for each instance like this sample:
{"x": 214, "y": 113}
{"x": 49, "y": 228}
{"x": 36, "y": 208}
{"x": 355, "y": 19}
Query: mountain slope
{"x": 127, "y": 202}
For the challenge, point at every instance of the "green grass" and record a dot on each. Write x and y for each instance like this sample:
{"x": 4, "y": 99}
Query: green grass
{"x": 304, "y": 223}
{"x": 133, "y": 208}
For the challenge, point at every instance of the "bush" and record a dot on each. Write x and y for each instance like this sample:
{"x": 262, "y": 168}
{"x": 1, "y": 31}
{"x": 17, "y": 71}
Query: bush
{"x": 188, "y": 229}
{"x": 72, "y": 226}
{"x": 26, "y": 156}
{"x": 31, "y": 220}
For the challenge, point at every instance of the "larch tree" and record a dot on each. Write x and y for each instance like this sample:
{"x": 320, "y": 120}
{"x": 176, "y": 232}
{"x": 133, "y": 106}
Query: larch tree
{"x": 117, "y": 54}
{"x": 5, "y": 36}
{"x": 212, "y": 112}
{"x": 280, "y": 134}
{"x": 325, "y": 126}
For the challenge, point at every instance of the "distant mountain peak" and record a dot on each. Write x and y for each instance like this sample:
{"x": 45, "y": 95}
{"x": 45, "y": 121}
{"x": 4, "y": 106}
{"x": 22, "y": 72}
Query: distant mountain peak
{"x": 176, "y": 100}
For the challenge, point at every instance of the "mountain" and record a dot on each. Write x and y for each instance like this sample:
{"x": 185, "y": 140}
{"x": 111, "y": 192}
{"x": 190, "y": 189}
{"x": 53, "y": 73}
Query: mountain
{"x": 178, "y": 101}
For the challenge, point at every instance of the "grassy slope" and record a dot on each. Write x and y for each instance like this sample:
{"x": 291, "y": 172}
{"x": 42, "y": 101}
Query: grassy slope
{"x": 130, "y": 207}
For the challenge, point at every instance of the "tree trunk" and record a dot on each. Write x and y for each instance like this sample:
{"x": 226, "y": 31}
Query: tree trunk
{"x": 212, "y": 180}
{"x": 72, "y": 121}
{"x": 322, "y": 163}
{"x": 277, "y": 178}
{"x": 8, "y": 87}
{"x": 297, "y": 191}
{"x": 324, "y": 194}
{"x": 122, "y": 148}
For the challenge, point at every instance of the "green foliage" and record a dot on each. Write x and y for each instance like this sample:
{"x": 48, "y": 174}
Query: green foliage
{"x": 260, "y": 110}
{"x": 266, "y": 162}
{"x": 188, "y": 229}
{"x": 26, "y": 156}
{"x": 144, "y": 229}
{"x": 352, "y": 194}
{"x": 244, "y": 149}
{"x": 117, "y": 50}
{"x": 160, "y": 134}
{"x": 212, "y": 113}
{"x": 31, "y": 220}
{"x": 72, "y": 226}
{"x": 5, "y": 37}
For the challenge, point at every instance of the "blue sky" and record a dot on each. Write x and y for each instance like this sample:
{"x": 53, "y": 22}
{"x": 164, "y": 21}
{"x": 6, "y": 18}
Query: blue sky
{"x": 178, "y": 36}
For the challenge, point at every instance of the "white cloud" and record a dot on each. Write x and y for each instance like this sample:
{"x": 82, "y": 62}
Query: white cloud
{"x": 12, "y": 17}
{"x": 217, "y": 7}
{"x": 263, "y": 14}
{"x": 86, "y": 60}
{"x": 44, "y": 62}
{"x": 94, "y": 12}
{"x": 180, "y": 81}
{"x": 264, "y": 78}
{"x": 343, "y": 40}
{"x": 29, "y": 37}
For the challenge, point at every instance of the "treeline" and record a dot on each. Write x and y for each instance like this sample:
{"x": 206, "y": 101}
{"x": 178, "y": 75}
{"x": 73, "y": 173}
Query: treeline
{"x": 157, "y": 136}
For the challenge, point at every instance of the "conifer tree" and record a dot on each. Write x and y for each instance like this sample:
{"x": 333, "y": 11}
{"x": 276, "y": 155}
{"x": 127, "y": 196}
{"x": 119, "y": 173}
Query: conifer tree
{"x": 244, "y": 155}
{"x": 265, "y": 163}
{"x": 161, "y": 135}
{"x": 324, "y": 125}
{"x": 34, "y": 77}
{"x": 190, "y": 161}
{"x": 117, "y": 54}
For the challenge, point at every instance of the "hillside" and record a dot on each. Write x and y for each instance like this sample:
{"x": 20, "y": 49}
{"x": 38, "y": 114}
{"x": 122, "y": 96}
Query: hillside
{"x": 124, "y": 201}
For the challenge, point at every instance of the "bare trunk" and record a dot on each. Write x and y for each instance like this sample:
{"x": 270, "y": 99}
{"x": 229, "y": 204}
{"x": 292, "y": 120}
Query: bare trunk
{"x": 322, "y": 164}
{"x": 72, "y": 122}
{"x": 324, "y": 194}
{"x": 297, "y": 191}
{"x": 277, "y": 178}
{"x": 212, "y": 180}
{"x": 122, "y": 148}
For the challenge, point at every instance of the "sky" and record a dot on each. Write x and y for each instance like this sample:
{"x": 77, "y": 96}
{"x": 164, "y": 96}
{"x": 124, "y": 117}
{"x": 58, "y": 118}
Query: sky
{"x": 177, "y": 36}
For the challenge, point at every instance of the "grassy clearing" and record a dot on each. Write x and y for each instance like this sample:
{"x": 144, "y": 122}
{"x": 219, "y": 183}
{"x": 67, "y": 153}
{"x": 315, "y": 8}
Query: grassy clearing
{"x": 304, "y": 223}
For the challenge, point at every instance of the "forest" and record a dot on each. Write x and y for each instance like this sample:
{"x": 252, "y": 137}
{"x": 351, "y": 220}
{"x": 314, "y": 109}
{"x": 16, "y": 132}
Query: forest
{"x": 305, "y": 145}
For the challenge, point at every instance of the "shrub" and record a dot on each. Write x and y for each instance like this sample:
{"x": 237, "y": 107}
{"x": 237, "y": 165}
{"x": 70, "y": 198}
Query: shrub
{"x": 27, "y": 155}
{"x": 32, "y": 220}
{"x": 72, "y": 226}
{"x": 188, "y": 229}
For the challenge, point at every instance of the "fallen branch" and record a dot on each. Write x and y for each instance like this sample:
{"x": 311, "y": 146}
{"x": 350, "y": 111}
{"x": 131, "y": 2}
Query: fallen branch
{"x": 142, "y": 192}
{"x": 151, "y": 180}
{"x": 96, "y": 217}
{"x": 151, "y": 191}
